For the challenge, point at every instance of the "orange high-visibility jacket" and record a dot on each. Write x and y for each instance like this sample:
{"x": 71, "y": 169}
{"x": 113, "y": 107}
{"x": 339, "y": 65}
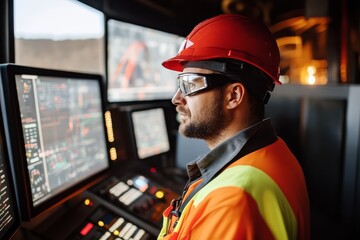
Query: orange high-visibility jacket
{"x": 262, "y": 195}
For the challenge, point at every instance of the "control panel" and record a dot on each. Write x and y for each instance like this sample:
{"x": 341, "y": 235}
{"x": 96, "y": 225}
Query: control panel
{"x": 88, "y": 217}
{"x": 139, "y": 195}
{"x": 104, "y": 224}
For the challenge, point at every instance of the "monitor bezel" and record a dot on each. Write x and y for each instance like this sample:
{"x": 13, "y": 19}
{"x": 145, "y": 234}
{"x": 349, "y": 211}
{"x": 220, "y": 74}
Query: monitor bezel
{"x": 126, "y": 101}
{"x": 16, "y": 224}
{"x": 14, "y": 136}
{"x": 153, "y": 158}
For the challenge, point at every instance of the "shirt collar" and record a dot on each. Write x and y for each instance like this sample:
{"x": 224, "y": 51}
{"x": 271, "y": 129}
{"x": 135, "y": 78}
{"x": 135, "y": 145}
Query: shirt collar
{"x": 206, "y": 166}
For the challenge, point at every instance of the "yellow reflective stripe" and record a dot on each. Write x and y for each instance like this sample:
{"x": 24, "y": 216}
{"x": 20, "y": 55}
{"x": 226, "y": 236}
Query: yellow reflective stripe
{"x": 272, "y": 203}
{"x": 164, "y": 228}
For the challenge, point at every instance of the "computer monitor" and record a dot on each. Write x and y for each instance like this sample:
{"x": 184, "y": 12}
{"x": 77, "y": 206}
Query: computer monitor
{"x": 135, "y": 54}
{"x": 9, "y": 217}
{"x": 150, "y": 131}
{"x": 56, "y": 132}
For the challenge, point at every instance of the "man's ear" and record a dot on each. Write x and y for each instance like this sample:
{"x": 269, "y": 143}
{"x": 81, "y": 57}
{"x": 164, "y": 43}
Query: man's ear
{"x": 234, "y": 95}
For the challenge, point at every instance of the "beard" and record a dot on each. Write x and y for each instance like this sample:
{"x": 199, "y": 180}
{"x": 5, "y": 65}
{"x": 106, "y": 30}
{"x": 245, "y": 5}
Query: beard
{"x": 209, "y": 122}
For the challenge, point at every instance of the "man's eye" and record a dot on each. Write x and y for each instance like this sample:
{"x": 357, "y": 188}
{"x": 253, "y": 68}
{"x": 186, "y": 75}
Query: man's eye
{"x": 191, "y": 86}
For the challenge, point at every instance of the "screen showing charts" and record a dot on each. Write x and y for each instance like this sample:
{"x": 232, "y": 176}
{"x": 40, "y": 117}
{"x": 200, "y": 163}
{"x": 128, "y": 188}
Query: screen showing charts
{"x": 150, "y": 130}
{"x": 135, "y": 54}
{"x": 8, "y": 214}
{"x": 63, "y": 130}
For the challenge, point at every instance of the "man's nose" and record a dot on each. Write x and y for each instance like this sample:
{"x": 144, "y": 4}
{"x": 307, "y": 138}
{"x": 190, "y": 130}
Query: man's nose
{"x": 178, "y": 98}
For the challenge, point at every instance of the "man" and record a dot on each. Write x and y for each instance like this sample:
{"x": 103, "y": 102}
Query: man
{"x": 249, "y": 186}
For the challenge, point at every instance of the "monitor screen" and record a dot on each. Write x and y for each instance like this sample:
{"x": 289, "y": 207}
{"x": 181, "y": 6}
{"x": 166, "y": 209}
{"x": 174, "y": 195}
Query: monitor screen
{"x": 9, "y": 218}
{"x": 135, "y": 54}
{"x": 58, "y": 118}
{"x": 151, "y": 136}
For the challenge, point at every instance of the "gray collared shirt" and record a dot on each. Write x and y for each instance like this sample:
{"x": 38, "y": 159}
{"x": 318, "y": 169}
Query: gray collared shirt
{"x": 209, "y": 165}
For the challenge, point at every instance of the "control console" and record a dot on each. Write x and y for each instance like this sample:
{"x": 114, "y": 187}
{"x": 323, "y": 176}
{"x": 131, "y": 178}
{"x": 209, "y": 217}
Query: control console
{"x": 139, "y": 195}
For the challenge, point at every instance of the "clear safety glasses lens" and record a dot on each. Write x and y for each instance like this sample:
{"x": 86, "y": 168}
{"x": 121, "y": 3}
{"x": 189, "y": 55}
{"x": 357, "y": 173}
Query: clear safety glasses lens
{"x": 191, "y": 83}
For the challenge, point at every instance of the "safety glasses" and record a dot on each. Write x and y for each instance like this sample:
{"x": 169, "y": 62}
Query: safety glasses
{"x": 193, "y": 83}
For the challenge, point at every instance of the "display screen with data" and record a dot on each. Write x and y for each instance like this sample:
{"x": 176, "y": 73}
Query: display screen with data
{"x": 63, "y": 132}
{"x": 9, "y": 219}
{"x": 150, "y": 130}
{"x": 7, "y": 201}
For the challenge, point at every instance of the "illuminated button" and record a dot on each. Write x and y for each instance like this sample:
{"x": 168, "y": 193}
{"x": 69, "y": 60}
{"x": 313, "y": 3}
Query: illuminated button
{"x": 125, "y": 229}
{"x": 141, "y": 183}
{"x": 88, "y": 202}
{"x": 160, "y": 194}
{"x": 131, "y": 231}
{"x": 130, "y": 182}
{"x": 86, "y": 229}
{"x": 116, "y": 232}
{"x": 119, "y": 189}
{"x": 139, "y": 234}
{"x": 113, "y": 154}
{"x": 105, "y": 236}
{"x": 101, "y": 223}
{"x": 116, "y": 225}
{"x": 130, "y": 196}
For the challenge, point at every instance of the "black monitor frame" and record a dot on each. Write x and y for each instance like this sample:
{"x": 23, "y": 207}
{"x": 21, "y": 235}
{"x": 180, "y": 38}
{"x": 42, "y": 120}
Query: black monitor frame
{"x": 125, "y": 136}
{"x": 14, "y": 226}
{"x": 165, "y": 85}
{"x": 14, "y": 136}
{"x": 135, "y": 127}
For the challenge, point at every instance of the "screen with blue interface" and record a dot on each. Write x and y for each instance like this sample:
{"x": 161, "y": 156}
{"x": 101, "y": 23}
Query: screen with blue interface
{"x": 63, "y": 131}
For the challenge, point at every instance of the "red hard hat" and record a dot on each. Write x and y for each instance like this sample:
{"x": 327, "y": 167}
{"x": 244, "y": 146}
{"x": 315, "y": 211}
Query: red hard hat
{"x": 230, "y": 36}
